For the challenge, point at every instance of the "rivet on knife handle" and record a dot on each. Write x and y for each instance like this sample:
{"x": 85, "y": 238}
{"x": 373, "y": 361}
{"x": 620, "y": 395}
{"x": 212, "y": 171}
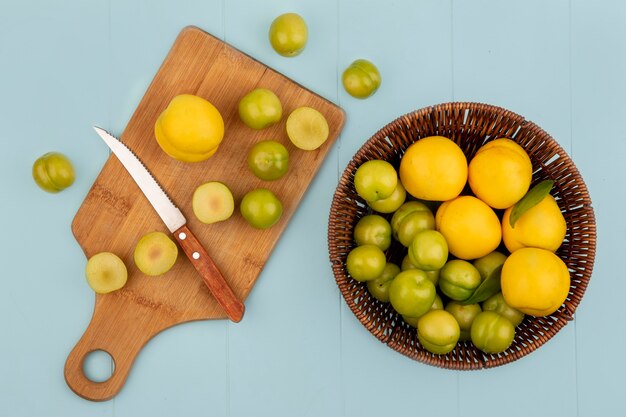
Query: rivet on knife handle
{"x": 210, "y": 273}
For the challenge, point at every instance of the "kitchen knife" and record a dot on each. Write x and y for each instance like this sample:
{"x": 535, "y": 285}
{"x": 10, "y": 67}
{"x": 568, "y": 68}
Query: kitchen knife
{"x": 177, "y": 225}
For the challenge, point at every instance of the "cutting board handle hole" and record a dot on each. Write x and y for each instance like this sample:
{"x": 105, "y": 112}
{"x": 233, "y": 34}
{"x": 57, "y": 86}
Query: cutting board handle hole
{"x": 98, "y": 365}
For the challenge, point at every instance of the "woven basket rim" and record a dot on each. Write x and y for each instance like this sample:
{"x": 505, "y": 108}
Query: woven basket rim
{"x": 378, "y": 318}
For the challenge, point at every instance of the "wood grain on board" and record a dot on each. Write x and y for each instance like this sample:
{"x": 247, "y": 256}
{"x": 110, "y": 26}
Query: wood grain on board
{"x": 115, "y": 214}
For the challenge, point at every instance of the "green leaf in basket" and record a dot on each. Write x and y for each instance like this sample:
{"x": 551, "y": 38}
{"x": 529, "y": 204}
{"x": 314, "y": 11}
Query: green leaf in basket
{"x": 530, "y": 200}
{"x": 487, "y": 288}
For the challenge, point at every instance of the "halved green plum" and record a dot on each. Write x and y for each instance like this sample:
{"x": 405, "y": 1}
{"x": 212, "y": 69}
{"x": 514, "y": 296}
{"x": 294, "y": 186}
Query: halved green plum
{"x": 213, "y": 202}
{"x": 155, "y": 254}
{"x": 106, "y": 272}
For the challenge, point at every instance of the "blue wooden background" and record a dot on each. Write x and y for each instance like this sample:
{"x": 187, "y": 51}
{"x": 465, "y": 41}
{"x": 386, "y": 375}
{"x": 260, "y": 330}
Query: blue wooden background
{"x": 68, "y": 64}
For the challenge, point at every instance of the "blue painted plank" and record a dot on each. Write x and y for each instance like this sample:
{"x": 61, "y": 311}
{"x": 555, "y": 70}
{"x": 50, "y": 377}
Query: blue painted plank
{"x": 516, "y": 58}
{"x": 599, "y": 150}
{"x": 182, "y": 368}
{"x": 51, "y": 94}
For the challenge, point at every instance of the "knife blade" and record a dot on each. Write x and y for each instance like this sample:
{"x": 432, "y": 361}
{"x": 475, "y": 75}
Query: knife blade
{"x": 177, "y": 224}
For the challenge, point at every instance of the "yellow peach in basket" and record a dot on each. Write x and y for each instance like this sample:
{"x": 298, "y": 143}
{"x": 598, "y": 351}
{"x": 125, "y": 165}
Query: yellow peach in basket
{"x": 500, "y": 173}
{"x": 434, "y": 168}
{"x": 535, "y": 281}
{"x": 471, "y": 228}
{"x": 542, "y": 226}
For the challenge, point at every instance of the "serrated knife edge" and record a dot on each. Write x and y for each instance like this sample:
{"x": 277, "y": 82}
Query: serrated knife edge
{"x": 156, "y": 195}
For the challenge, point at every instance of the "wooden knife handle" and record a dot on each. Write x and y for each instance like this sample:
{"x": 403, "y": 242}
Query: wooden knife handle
{"x": 209, "y": 272}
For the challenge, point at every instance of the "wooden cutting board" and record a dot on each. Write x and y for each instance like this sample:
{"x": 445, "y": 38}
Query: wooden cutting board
{"x": 115, "y": 214}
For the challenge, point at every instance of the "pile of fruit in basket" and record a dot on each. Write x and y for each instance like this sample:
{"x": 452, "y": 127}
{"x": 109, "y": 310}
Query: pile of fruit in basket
{"x": 474, "y": 263}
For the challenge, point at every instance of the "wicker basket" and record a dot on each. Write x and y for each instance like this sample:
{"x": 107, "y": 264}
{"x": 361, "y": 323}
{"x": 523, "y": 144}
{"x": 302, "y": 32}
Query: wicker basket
{"x": 470, "y": 125}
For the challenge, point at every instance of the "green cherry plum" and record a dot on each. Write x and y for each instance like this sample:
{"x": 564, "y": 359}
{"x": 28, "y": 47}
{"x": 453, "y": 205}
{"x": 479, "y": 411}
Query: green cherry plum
{"x": 438, "y": 331}
{"x": 288, "y": 34}
{"x": 373, "y": 230}
{"x": 261, "y": 208}
{"x": 491, "y": 332}
{"x": 429, "y": 250}
{"x": 409, "y": 219}
{"x": 366, "y": 262}
{"x": 260, "y": 108}
{"x": 361, "y": 79}
{"x": 375, "y": 180}
{"x": 497, "y": 303}
{"x": 53, "y": 172}
{"x": 464, "y": 315}
{"x": 268, "y": 160}
{"x": 379, "y": 287}
{"x": 391, "y": 203}
{"x": 458, "y": 279}
{"x": 411, "y": 293}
